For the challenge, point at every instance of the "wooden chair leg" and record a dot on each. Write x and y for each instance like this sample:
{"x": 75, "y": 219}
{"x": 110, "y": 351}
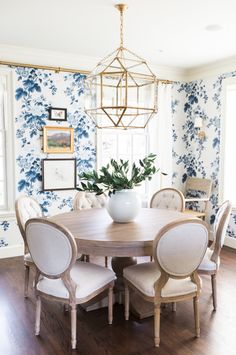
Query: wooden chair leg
{"x": 214, "y": 296}
{"x": 157, "y": 312}
{"x": 87, "y": 259}
{"x": 38, "y": 315}
{"x": 110, "y": 305}
{"x": 73, "y": 325}
{"x": 196, "y": 316}
{"x": 126, "y": 302}
{"x": 173, "y": 306}
{"x": 106, "y": 261}
{"x": 27, "y": 270}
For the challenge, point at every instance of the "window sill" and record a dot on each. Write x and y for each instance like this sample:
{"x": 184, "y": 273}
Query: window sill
{"x": 7, "y": 215}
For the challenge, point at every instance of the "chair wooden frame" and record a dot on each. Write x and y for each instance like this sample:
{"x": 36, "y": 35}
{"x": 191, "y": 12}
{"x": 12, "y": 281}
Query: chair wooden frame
{"x": 216, "y": 247}
{"x": 27, "y": 263}
{"x": 158, "y": 299}
{"x": 70, "y": 285}
{"x": 204, "y": 185}
{"x": 178, "y": 192}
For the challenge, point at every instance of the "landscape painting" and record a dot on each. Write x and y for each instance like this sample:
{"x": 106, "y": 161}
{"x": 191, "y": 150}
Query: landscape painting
{"x": 58, "y": 139}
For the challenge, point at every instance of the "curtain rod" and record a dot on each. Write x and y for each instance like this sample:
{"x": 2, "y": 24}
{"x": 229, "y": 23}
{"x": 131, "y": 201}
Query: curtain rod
{"x": 59, "y": 69}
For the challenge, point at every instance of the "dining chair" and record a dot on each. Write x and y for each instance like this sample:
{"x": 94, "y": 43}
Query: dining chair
{"x": 197, "y": 196}
{"x": 86, "y": 200}
{"x": 26, "y": 208}
{"x": 59, "y": 277}
{"x": 178, "y": 250}
{"x": 211, "y": 261}
{"x": 168, "y": 198}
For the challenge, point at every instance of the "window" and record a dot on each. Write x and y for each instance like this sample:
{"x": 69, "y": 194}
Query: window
{"x": 118, "y": 144}
{"x": 228, "y": 148}
{"x": 6, "y": 145}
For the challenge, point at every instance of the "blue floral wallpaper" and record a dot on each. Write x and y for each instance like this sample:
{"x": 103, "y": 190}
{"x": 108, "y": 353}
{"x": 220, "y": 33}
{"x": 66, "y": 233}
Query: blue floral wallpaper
{"x": 36, "y": 90}
{"x": 193, "y": 156}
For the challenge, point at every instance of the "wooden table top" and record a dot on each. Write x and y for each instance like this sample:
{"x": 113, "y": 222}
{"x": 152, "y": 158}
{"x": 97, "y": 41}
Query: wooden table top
{"x": 97, "y": 234}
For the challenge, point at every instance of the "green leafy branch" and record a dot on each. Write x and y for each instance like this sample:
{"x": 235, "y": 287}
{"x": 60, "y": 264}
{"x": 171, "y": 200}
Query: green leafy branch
{"x": 116, "y": 176}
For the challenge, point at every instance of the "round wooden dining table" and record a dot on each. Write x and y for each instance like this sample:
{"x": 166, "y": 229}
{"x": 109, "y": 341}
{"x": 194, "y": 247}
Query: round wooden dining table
{"x": 96, "y": 233}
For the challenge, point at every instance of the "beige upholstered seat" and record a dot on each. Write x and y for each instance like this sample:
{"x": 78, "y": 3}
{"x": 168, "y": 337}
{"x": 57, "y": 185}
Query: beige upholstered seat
{"x": 178, "y": 250}
{"x": 54, "y": 252}
{"x": 26, "y": 208}
{"x": 197, "y": 195}
{"x": 211, "y": 261}
{"x": 85, "y": 200}
{"x": 168, "y": 198}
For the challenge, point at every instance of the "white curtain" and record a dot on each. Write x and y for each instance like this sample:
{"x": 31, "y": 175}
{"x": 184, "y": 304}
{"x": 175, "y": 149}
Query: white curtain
{"x": 161, "y": 141}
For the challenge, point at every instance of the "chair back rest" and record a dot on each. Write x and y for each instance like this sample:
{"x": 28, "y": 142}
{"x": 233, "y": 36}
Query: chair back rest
{"x": 198, "y": 187}
{"x": 168, "y": 198}
{"x": 52, "y": 247}
{"x": 221, "y": 224}
{"x": 26, "y": 208}
{"x": 87, "y": 200}
{"x": 180, "y": 247}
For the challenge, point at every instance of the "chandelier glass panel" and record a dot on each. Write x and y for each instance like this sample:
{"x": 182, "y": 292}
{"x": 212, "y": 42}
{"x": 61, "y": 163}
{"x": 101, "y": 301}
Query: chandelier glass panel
{"x": 121, "y": 91}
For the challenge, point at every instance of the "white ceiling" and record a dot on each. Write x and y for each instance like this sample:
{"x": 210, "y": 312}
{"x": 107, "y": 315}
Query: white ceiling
{"x": 91, "y": 28}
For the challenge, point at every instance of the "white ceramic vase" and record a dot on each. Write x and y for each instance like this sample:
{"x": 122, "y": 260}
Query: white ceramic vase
{"x": 124, "y": 205}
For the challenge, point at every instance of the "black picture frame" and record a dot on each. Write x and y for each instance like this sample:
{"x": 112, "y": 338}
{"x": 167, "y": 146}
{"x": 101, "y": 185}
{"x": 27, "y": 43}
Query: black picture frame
{"x": 57, "y": 114}
{"x": 58, "y": 176}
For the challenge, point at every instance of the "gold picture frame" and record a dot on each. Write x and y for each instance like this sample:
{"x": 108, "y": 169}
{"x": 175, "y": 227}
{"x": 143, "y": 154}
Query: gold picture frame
{"x": 58, "y": 139}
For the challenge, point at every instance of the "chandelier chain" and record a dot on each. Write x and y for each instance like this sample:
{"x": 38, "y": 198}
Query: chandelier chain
{"x": 121, "y": 28}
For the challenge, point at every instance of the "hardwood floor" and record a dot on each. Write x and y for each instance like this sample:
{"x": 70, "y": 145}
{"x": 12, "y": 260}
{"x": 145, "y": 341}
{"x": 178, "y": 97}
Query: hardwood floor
{"x": 95, "y": 336}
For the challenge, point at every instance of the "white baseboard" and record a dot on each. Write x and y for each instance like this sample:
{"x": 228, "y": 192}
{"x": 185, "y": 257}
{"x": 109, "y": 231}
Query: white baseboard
{"x": 11, "y": 251}
{"x": 230, "y": 242}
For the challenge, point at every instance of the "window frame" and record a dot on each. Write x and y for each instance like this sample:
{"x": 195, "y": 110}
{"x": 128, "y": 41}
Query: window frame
{"x": 9, "y": 145}
{"x": 152, "y": 185}
{"x": 223, "y": 123}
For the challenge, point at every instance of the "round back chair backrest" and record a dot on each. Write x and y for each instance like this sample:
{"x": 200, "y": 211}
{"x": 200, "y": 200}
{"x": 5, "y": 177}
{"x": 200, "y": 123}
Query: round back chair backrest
{"x": 26, "y": 208}
{"x": 180, "y": 247}
{"x": 86, "y": 200}
{"x": 168, "y": 198}
{"x": 221, "y": 223}
{"x": 52, "y": 247}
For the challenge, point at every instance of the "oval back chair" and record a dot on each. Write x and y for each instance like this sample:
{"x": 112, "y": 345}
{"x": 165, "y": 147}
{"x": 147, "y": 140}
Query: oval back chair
{"x": 168, "y": 198}
{"x": 59, "y": 276}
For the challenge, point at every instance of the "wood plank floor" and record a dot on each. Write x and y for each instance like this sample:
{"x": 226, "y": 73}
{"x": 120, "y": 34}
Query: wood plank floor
{"x": 95, "y": 336}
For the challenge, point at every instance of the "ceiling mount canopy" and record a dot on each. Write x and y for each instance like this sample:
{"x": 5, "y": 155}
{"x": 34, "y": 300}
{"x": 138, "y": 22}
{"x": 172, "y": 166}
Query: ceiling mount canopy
{"x": 121, "y": 91}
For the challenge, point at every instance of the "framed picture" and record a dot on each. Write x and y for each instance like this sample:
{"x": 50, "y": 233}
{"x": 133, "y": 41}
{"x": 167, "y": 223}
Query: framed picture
{"x": 59, "y": 174}
{"x": 58, "y": 139}
{"x": 57, "y": 114}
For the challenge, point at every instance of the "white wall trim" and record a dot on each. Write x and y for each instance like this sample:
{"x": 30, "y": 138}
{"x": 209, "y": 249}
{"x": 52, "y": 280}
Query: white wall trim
{"x": 230, "y": 242}
{"x": 11, "y": 251}
{"x": 211, "y": 69}
{"x": 74, "y": 61}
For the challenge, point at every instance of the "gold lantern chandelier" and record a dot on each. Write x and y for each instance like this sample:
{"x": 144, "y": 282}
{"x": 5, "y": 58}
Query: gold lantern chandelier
{"x": 121, "y": 91}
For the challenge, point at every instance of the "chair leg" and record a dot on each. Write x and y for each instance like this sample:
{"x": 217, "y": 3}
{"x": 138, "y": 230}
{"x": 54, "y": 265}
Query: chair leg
{"x": 106, "y": 261}
{"x": 110, "y": 305}
{"x": 27, "y": 270}
{"x": 157, "y": 312}
{"x": 73, "y": 326}
{"x": 126, "y": 302}
{"x": 173, "y": 306}
{"x": 214, "y": 296}
{"x": 196, "y": 316}
{"x": 38, "y": 315}
{"x": 87, "y": 259}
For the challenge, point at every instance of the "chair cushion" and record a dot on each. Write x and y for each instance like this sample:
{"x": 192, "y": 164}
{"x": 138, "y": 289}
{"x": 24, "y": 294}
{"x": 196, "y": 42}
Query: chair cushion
{"x": 143, "y": 276}
{"x": 28, "y": 258}
{"x": 207, "y": 264}
{"x": 88, "y": 277}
